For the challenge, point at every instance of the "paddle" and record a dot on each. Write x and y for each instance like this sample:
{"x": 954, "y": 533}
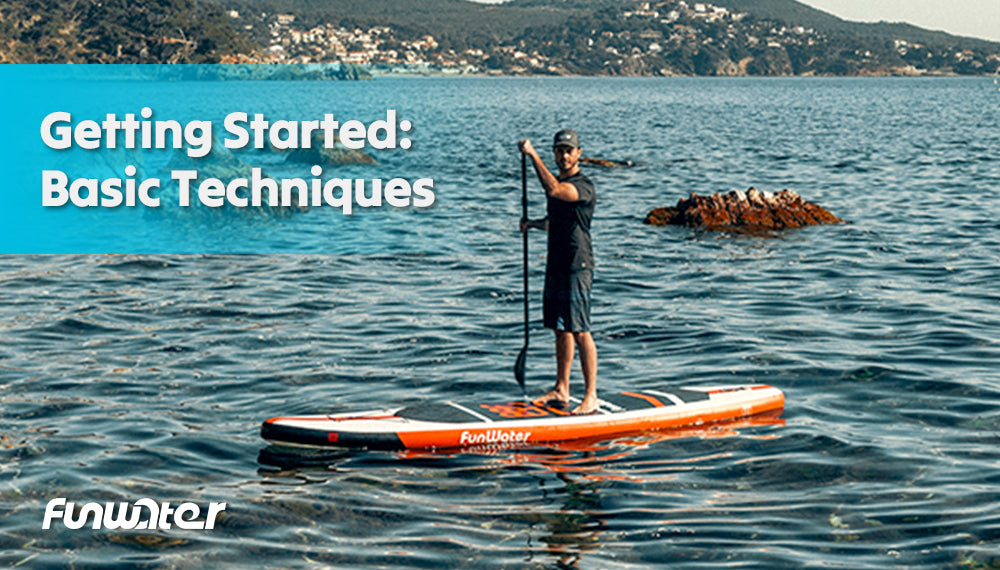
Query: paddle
{"x": 519, "y": 364}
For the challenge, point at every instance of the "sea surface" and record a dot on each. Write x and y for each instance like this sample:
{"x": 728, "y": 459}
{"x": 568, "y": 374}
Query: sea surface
{"x": 132, "y": 376}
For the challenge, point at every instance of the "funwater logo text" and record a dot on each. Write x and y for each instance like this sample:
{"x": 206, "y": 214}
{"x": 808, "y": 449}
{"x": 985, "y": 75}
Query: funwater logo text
{"x": 143, "y": 514}
{"x": 493, "y": 436}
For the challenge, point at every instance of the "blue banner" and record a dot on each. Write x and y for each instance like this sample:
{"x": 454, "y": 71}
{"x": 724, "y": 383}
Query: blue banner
{"x": 200, "y": 159}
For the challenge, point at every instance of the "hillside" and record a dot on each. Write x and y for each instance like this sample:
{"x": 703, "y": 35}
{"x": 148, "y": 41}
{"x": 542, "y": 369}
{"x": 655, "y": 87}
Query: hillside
{"x": 463, "y": 19}
{"x": 581, "y": 37}
{"x": 605, "y": 37}
{"x": 795, "y": 13}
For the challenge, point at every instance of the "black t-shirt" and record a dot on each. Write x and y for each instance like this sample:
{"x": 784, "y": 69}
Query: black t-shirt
{"x": 569, "y": 229}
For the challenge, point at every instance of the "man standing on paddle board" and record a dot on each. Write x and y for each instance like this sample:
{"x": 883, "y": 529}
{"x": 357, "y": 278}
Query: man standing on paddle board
{"x": 569, "y": 267}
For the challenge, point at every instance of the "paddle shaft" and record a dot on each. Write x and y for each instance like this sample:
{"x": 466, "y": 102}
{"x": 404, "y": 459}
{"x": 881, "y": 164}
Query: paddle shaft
{"x": 519, "y": 365}
{"x": 524, "y": 215}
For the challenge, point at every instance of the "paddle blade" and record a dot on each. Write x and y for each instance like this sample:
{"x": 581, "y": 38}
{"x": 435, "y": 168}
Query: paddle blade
{"x": 519, "y": 367}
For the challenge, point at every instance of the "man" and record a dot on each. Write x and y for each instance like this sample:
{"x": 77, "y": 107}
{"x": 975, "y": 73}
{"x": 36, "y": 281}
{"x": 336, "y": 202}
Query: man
{"x": 569, "y": 266}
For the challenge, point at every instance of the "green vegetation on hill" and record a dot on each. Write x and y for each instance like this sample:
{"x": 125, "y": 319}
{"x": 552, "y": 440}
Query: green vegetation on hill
{"x": 118, "y": 31}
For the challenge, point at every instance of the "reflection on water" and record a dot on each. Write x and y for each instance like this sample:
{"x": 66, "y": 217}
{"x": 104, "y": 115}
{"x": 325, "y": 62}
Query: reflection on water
{"x": 576, "y": 529}
{"x": 560, "y": 511}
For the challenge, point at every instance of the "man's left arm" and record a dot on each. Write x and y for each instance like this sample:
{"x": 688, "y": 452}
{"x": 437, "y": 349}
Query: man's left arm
{"x": 565, "y": 191}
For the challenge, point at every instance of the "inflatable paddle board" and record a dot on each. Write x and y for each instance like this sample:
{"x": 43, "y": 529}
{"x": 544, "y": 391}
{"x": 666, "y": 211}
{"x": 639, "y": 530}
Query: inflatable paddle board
{"x": 437, "y": 425}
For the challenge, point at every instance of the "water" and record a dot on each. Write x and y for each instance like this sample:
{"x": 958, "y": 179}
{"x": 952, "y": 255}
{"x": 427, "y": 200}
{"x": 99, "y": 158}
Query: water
{"x": 147, "y": 376}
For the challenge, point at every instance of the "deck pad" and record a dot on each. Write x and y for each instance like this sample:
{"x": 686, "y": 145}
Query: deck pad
{"x": 455, "y": 412}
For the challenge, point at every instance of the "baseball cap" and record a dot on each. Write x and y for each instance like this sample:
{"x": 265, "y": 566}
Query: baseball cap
{"x": 566, "y": 137}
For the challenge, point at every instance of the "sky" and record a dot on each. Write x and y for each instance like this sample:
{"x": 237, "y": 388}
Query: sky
{"x": 973, "y": 18}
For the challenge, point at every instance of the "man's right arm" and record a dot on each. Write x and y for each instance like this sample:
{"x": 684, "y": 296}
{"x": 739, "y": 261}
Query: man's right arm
{"x": 553, "y": 187}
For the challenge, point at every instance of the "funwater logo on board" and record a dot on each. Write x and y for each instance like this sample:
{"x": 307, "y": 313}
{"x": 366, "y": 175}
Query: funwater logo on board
{"x": 142, "y": 515}
{"x": 493, "y": 436}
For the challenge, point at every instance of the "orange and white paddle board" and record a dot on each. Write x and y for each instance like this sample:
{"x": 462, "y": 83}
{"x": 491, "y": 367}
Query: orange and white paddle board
{"x": 441, "y": 425}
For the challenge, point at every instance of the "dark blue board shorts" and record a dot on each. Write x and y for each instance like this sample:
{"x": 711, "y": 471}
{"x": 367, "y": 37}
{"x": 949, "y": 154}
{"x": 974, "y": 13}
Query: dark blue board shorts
{"x": 566, "y": 304}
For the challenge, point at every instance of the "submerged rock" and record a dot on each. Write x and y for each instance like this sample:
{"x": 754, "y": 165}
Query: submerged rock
{"x": 225, "y": 166}
{"x": 319, "y": 154}
{"x": 221, "y": 164}
{"x": 752, "y": 210}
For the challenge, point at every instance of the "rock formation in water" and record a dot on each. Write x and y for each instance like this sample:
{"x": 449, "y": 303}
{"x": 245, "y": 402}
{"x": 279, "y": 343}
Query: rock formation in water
{"x": 606, "y": 163}
{"x": 752, "y": 210}
{"x": 222, "y": 164}
{"x": 323, "y": 156}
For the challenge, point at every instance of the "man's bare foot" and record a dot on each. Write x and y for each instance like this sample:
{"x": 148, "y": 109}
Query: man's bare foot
{"x": 555, "y": 398}
{"x": 587, "y": 406}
